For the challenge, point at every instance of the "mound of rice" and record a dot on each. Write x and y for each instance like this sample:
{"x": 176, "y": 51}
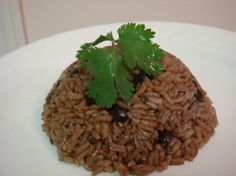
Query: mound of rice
{"x": 169, "y": 119}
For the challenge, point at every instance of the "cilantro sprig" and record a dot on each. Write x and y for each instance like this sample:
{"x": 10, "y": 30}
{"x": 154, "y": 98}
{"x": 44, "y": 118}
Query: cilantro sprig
{"x": 110, "y": 66}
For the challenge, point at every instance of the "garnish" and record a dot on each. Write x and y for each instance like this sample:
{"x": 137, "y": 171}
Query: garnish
{"x": 135, "y": 43}
{"x": 110, "y": 66}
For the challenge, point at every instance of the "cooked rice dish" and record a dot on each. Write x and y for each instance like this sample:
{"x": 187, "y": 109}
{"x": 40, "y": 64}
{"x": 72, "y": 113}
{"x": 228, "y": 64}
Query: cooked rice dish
{"x": 167, "y": 120}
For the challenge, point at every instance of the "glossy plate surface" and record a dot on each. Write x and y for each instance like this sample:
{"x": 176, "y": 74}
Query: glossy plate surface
{"x": 27, "y": 75}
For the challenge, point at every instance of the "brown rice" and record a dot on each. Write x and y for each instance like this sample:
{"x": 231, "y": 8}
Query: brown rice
{"x": 172, "y": 104}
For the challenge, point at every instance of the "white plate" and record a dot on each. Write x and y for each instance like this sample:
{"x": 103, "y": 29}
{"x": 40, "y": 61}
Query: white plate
{"x": 27, "y": 75}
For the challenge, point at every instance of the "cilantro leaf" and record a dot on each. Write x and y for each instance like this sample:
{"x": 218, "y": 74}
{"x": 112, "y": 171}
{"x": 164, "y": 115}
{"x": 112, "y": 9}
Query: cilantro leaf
{"x": 110, "y": 77}
{"x": 83, "y": 52}
{"x": 138, "y": 49}
{"x": 110, "y": 66}
{"x": 102, "y": 87}
{"x": 121, "y": 75}
{"x": 102, "y": 38}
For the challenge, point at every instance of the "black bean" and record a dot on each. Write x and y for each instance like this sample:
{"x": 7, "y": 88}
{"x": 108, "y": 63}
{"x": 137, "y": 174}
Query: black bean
{"x": 138, "y": 78}
{"x": 57, "y": 84}
{"x": 89, "y": 100}
{"x": 140, "y": 161}
{"x": 198, "y": 94}
{"x": 163, "y": 137}
{"x": 118, "y": 113}
{"x": 104, "y": 142}
{"x": 75, "y": 71}
{"x": 51, "y": 141}
{"x": 92, "y": 140}
{"x": 157, "y": 112}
